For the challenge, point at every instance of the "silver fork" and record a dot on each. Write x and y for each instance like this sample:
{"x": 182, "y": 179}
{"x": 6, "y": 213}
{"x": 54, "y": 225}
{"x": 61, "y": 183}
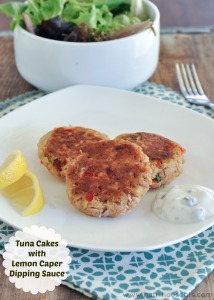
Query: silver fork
{"x": 190, "y": 85}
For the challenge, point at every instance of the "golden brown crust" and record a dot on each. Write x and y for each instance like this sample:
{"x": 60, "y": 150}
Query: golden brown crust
{"x": 165, "y": 156}
{"x": 110, "y": 179}
{"x": 63, "y": 144}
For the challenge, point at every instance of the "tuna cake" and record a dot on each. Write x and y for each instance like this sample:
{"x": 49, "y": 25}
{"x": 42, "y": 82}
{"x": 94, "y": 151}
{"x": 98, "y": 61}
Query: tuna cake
{"x": 165, "y": 156}
{"x": 109, "y": 179}
{"x": 63, "y": 144}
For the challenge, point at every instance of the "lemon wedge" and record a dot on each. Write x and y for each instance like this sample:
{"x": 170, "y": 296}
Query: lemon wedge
{"x": 25, "y": 194}
{"x": 13, "y": 168}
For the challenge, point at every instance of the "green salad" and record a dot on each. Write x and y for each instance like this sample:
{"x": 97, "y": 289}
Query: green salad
{"x": 79, "y": 21}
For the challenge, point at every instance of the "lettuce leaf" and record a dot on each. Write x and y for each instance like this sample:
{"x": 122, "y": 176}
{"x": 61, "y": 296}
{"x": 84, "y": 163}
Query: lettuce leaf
{"x": 13, "y": 10}
{"x": 92, "y": 16}
{"x": 39, "y": 10}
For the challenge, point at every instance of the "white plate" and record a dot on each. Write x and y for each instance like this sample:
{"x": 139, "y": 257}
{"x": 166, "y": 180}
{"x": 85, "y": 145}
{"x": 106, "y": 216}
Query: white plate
{"x": 113, "y": 112}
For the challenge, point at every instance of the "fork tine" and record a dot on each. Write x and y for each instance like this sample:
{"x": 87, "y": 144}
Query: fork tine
{"x": 180, "y": 79}
{"x": 190, "y": 85}
{"x": 196, "y": 79}
{"x": 186, "y": 80}
{"x": 191, "y": 80}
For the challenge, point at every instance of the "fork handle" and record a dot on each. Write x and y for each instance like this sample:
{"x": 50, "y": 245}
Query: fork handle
{"x": 210, "y": 105}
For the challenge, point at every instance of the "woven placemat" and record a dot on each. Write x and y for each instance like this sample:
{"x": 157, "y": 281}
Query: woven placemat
{"x": 12, "y": 84}
{"x": 167, "y": 273}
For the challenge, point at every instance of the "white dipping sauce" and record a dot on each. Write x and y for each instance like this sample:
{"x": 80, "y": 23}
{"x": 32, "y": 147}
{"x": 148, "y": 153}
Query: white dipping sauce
{"x": 186, "y": 203}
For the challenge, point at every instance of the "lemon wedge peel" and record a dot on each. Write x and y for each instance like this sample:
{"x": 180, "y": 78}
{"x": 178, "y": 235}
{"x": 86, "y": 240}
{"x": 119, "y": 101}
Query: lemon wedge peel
{"x": 20, "y": 185}
{"x": 13, "y": 168}
{"x": 26, "y": 194}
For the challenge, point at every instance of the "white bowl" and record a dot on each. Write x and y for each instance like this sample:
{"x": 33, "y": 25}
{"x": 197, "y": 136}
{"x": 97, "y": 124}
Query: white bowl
{"x": 123, "y": 63}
